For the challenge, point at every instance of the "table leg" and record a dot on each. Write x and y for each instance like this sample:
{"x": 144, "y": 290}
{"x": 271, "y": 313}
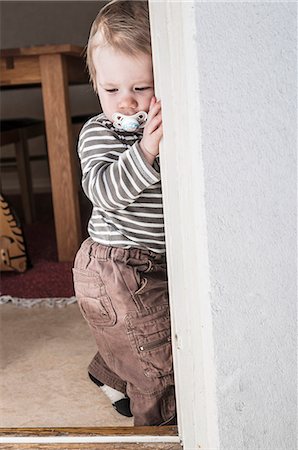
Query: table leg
{"x": 61, "y": 155}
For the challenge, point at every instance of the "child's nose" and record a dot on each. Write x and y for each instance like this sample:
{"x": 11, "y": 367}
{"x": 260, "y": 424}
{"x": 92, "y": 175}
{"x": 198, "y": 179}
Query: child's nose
{"x": 127, "y": 101}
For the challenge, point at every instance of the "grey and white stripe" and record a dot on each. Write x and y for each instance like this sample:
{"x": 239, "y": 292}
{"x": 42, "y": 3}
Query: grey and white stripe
{"x": 124, "y": 188}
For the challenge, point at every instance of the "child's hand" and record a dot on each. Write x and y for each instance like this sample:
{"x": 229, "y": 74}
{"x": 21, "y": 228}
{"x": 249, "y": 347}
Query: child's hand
{"x": 152, "y": 131}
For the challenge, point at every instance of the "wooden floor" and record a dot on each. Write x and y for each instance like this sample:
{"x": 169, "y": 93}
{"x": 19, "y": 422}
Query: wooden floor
{"x": 76, "y": 432}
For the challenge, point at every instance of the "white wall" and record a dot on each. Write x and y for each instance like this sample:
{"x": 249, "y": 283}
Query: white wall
{"x": 29, "y": 23}
{"x": 247, "y": 58}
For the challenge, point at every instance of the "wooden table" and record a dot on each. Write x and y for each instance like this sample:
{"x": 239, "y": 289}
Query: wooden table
{"x": 54, "y": 67}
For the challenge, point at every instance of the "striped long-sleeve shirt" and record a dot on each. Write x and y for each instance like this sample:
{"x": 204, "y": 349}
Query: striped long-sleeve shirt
{"x": 124, "y": 189}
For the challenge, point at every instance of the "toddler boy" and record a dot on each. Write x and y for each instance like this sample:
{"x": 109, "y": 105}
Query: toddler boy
{"x": 120, "y": 275}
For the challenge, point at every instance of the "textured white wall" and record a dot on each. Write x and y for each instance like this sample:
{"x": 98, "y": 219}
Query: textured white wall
{"x": 247, "y": 54}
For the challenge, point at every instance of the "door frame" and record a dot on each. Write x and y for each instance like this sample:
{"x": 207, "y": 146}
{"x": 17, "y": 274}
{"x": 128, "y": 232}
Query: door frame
{"x": 176, "y": 74}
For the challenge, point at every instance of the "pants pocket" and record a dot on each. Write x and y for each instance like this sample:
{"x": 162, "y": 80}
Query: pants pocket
{"x": 94, "y": 303}
{"x": 149, "y": 332}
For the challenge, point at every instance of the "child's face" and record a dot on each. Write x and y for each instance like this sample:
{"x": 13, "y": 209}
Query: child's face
{"x": 124, "y": 83}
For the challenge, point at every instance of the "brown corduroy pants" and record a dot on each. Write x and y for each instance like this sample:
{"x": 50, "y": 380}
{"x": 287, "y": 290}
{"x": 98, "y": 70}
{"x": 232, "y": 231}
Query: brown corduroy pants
{"x": 123, "y": 295}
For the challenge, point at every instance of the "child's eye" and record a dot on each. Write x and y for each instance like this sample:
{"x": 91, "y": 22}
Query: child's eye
{"x": 142, "y": 88}
{"x": 111, "y": 90}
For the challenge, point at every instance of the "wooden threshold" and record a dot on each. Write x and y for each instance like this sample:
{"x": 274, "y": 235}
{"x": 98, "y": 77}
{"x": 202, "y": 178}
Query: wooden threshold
{"x": 107, "y": 438}
{"x": 90, "y": 431}
{"x": 89, "y": 446}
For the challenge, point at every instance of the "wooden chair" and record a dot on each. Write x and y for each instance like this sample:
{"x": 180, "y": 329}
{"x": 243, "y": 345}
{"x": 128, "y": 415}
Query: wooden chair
{"x": 18, "y": 132}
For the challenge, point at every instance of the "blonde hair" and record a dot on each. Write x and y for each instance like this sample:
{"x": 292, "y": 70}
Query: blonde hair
{"x": 122, "y": 24}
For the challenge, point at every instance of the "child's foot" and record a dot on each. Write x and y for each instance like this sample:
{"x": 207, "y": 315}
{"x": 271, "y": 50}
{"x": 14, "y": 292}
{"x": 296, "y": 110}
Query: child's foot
{"x": 123, "y": 407}
{"x": 120, "y": 402}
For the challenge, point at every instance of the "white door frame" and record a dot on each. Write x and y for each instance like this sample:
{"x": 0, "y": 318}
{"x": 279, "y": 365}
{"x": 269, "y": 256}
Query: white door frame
{"x": 176, "y": 72}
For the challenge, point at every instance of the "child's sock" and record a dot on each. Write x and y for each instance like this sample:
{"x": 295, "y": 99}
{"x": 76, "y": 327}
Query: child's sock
{"x": 112, "y": 394}
{"x": 119, "y": 401}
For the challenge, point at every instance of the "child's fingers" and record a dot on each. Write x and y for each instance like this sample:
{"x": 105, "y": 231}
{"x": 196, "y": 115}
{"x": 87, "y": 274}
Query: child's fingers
{"x": 154, "y": 123}
{"x": 156, "y": 108}
{"x": 152, "y": 102}
{"x": 159, "y": 132}
{"x": 156, "y": 114}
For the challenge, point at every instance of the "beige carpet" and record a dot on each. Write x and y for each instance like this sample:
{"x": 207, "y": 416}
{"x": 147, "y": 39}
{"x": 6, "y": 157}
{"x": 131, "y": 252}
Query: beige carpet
{"x": 43, "y": 382}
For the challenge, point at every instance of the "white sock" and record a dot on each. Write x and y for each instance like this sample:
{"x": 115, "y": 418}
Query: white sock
{"x": 111, "y": 393}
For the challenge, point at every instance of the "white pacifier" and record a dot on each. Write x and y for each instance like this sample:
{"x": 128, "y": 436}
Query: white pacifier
{"x": 129, "y": 123}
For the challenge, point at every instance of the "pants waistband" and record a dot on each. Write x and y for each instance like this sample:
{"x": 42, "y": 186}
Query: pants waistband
{"x": 105, "y": 252}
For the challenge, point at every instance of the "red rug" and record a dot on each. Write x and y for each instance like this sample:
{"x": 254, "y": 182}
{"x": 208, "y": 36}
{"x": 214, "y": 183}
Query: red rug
{"x": 47, "y": 278}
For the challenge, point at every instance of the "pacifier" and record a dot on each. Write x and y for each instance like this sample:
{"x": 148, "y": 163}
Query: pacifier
{"x": 129, "y": 123}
